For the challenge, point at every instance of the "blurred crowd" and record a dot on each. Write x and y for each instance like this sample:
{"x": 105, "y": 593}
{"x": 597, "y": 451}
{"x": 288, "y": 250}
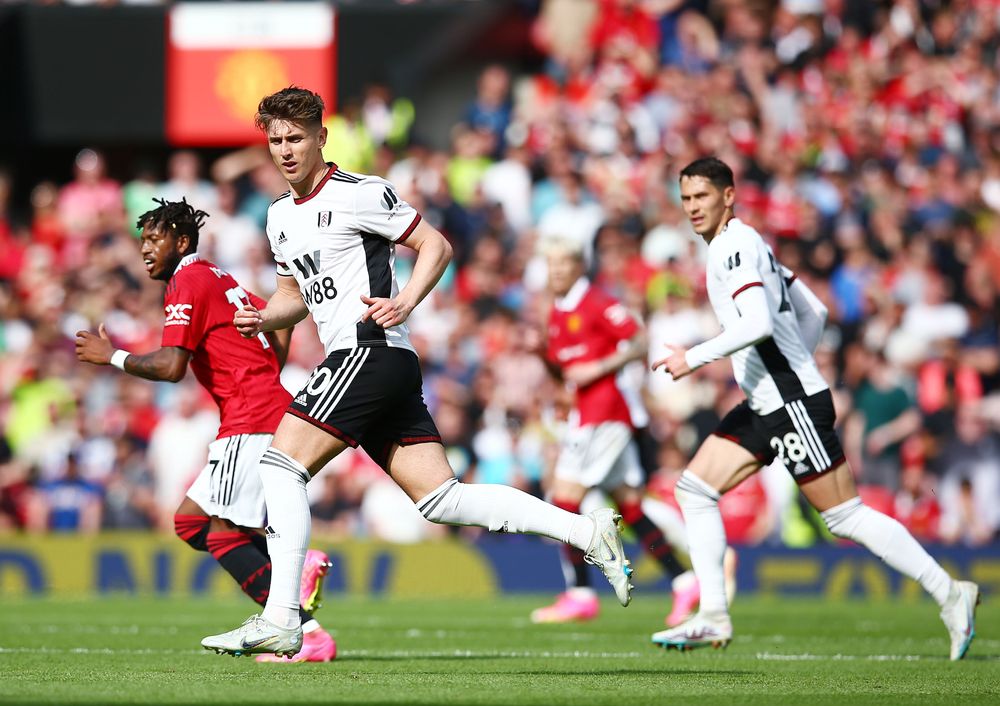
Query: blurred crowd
{"x": 865, "y": 137}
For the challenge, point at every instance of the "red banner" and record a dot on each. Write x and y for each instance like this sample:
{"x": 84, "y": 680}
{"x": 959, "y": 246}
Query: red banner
{"x": 223, "y": 58}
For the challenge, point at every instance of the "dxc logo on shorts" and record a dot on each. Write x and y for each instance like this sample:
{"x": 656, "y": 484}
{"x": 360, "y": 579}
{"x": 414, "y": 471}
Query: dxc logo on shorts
{"x": 177, "y": 314}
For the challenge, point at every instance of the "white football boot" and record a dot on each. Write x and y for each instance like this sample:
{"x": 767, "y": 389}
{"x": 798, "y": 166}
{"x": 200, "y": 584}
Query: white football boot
{"x": 607, "y": 554}
{"x": 959, "y": 616}
{"x": 700, "y": 631}
{"x": 256, "y": 636}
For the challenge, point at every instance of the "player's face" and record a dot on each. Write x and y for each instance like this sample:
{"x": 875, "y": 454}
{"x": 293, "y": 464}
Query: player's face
{"x": 160, "y": 252}
{"x": 706, "y": 205}
{"x": 297, "y": 150}
{"x": 564, "y": 270}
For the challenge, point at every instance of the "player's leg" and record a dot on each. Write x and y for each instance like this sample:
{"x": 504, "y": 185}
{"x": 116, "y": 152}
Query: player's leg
{"x": 834, "y": 495}
{"x": 422, "y": 471}
{"x": 579, "y": 601}
{"x": 733, "y": 453}
{"x": 191, "y": 524}
{"x": 298, "y": 450}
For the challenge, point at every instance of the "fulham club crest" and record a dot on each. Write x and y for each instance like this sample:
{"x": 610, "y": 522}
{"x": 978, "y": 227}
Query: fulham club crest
{"x": 323, "y": 220}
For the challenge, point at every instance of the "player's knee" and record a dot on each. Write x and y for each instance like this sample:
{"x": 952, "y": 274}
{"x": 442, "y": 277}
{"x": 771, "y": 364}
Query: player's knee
{"x": 439, "y": 505}
{"x": 842, "y": 520}
{"x": 693, "y": 493}
{"x": 193, "y": 529}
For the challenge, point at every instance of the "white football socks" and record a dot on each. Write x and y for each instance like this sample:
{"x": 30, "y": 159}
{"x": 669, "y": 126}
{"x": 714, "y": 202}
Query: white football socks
{"x": 890, "y": 542}
{"x": 289, "y": 524}
{"x": 706, "y": 539}
{"x": 501, "y": 508}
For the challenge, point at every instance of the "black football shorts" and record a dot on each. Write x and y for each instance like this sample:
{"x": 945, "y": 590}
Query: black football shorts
{"x": 370, "y": 397}
{"x": 801, "y": 434}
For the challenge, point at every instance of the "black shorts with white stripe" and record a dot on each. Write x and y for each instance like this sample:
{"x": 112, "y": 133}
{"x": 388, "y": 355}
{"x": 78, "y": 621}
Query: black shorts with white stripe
{"x": 370, "y": 397}
{"x": 801, "y": 434}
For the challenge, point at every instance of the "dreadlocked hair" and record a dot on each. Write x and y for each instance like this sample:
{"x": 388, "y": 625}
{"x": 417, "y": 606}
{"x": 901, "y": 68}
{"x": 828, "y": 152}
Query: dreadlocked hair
{"x": 177, "y": 217}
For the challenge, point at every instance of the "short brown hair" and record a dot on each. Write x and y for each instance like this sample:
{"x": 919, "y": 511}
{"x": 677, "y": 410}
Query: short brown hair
{"x": 293, "y": 104}
{"x": 714, "y": 169}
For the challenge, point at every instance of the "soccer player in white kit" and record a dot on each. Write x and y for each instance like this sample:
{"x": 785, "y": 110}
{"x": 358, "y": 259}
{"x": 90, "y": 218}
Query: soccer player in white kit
{"x": 333, "y": 235}
{"x": 771, "y": 323}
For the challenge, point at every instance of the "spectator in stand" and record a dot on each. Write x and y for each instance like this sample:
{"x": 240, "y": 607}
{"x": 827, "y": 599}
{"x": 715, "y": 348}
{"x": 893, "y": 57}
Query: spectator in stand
{"x": 883, "y": 417}
{"x": 184, "y": 180}
{"x": 490, "y": 112}
{"x": 69, "y": 503}
{"x": 970, "y": 481}
{"x": 89, "y": 206}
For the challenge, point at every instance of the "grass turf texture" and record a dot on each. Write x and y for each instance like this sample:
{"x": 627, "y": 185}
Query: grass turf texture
{"x": 143, "y": 650}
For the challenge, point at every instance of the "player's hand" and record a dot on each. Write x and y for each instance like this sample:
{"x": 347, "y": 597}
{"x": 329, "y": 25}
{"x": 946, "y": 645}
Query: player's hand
{"x": 248, "y": 321}
{"x": 582, "y": 374}
{"x": 533, "y": 340}
{"x": 94, "y": 349}
{"x": 385, "y": 312}
{"x": 676, "y": 363}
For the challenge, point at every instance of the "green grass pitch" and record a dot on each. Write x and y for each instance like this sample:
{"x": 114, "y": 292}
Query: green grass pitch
{"x": 803, "y": 651}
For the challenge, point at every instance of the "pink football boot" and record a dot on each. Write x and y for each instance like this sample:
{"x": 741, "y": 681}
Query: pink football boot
{"x": 687, "y": 594}
{"x": 574, "y": 604}
{"x": 311, "y": 589}
{"x": 317, "y": 646}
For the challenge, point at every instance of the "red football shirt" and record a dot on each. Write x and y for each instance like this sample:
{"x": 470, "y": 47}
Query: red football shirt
{"x": 587, "y": 325}
{"x": 241, "y": 374}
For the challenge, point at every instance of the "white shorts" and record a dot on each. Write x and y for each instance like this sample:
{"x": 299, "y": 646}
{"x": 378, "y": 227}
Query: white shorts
{"x": 229, "y": 484}
{"x": 600, "y": 456}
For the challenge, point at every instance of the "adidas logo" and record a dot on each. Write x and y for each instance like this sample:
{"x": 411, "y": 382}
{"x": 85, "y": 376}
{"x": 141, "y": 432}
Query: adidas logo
{"x": 800, "y": 468}
{"x": 281, "y": 237}
{"x": 505, "y": 529}
{"x": 301, "y": 399}
{"x": 270, "y": 533}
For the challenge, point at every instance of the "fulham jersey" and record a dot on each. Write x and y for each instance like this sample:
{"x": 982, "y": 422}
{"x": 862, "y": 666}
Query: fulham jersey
{"x": 780, "y": 368}
{"x": 338, "y": 242}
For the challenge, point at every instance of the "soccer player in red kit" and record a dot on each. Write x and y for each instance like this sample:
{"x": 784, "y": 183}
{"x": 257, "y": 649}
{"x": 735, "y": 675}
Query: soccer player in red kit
{"x": 224, "y": 507}
{"x": 591, "y": 337}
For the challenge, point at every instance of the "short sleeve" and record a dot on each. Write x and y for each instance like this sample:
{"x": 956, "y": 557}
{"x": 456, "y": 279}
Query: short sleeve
{"x": 380, "y": 210}
{"x": 184, "y": 316}
{"x": 736, "y": 263}
{"x": 274, "y": 241}
{"x": 616, "y": 320}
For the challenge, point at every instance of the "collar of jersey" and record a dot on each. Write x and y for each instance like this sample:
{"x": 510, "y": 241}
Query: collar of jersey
{"x": 574, "y": 296}
{"x": 326, "y": 177}
{"x": 187, "y": 260}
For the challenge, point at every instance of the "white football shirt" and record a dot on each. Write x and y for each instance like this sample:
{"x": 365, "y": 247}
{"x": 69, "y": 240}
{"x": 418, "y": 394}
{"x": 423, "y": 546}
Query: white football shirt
{"x": 339, "y": 242}
{"x": 780, "y": 368}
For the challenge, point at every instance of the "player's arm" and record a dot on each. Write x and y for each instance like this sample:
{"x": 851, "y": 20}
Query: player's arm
{"x": 629, "y": 349}
{"x": 753, "y": 326}
{"x": 433, "y": 255}
{"x": 280, "y": 341}
{"x": 810, "y": 312}
{"x": 284, "y": 309}
{"x": 168, "y": 364}
{"x": 534, "y": 342}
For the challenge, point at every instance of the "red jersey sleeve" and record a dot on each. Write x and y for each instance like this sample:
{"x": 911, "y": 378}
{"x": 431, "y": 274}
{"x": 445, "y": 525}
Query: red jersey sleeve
{"x": 615, "y": 319}
{"x": 184, "y": 315}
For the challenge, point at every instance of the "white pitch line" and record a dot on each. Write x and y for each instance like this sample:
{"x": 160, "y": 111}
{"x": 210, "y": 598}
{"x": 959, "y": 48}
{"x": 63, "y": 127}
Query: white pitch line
{"x": 807, "y": 657}
{"x": 94, "y": 651}
{"x": 499, "y": 654}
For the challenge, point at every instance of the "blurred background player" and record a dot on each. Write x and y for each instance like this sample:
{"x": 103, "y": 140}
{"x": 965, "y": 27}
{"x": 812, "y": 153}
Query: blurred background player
{"x": 333, "y": 236}
{"x": 591, "y": 338}
{"x": 771, "y": 324}
{"x": 224, "y": 507}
